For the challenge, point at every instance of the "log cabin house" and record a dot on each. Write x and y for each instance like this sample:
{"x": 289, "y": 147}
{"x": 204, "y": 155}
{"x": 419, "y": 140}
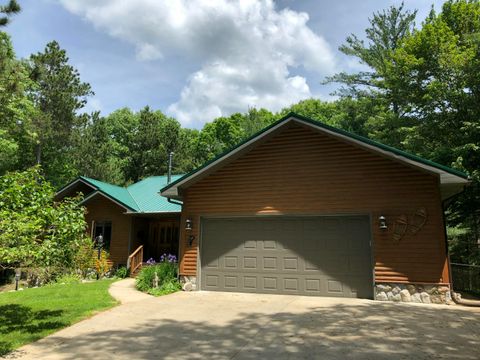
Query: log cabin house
{"x": 299, "y": 208}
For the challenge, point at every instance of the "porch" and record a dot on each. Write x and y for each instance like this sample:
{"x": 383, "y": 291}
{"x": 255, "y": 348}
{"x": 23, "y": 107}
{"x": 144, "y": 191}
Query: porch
{"x": 151, "y": 237}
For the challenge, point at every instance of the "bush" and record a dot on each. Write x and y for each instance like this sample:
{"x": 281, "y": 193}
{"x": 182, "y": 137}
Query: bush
{"x": 167, "y": 288}
{"x": 166, "y": 271}
{"x": 103, "y": 265}
{"x": 87, "y": 263}
{"x": 68, "y": 279}
{"x": 122, "y": 272}
{"x": 36, "y": 231}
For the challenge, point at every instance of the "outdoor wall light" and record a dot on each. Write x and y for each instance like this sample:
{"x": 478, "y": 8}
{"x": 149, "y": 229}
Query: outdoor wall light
{"x": 383, "y": 222}
{"x": 188, "y": 225}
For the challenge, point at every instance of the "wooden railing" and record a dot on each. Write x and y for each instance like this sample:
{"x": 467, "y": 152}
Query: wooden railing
{"x": 135, "y": 260}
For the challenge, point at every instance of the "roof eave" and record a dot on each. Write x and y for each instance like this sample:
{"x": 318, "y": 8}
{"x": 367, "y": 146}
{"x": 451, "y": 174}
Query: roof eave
{"x": 73, "y": 183}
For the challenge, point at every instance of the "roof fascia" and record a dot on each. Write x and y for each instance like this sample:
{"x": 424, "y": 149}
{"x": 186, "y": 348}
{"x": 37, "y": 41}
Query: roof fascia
{"x": 73, "y": 183}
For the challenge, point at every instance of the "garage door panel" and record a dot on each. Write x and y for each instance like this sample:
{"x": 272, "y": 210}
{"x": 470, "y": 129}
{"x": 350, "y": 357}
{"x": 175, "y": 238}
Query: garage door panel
{"x": 270, "y": 263}
{"x": 250, "y": 262}
{"x": 309, "y": 256}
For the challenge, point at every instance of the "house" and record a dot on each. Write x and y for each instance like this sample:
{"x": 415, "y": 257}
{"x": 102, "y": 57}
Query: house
{"x": 299, "y": 208}
{"x": 134, "y": 220}
{"x": 305, "y": 208}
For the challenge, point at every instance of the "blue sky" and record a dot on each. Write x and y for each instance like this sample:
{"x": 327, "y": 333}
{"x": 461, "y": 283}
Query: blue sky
{"x": 196, "y": 60}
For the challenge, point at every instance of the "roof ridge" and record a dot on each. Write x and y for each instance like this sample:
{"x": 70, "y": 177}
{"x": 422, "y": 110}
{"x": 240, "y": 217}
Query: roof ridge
{"x": 133, "y": 198}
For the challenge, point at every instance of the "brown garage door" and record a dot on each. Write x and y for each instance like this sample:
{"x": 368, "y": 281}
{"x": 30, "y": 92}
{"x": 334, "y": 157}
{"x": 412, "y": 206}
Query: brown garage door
{"x": 328, "y": 255}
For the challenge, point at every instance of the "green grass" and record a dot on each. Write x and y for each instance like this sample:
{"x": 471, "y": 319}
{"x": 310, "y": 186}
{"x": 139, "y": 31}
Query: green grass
{"x": 32, "y": 314}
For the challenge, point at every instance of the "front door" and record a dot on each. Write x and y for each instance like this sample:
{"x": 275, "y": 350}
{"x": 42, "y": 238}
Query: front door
{"x": 162, "y": 239}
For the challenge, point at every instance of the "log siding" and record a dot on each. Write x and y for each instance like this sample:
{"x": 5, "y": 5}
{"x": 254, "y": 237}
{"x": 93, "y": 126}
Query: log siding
{"x": 299, "y": 171}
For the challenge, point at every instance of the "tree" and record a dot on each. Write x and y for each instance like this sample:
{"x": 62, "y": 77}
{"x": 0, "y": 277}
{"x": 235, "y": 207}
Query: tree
{"x": 94, "y": 151}
{"x": 34, "y": 230}
{"x": 254, "y": 120}
{"x": 439, "y": 66}
{"x": 155, "y": 136}
{"x": 217, "y": 137}
{"x": 379, "y": 86}
{"x": 11, "y": 8}
{"x": 16, "y": 109}
{"x": 59, "y": 94}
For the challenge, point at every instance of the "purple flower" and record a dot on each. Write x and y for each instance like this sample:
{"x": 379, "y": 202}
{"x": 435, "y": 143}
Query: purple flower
{"x": 168, "y": 258}
{"x": 151, "y": 261}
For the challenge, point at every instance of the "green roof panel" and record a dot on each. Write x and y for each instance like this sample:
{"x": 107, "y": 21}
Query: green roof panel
{"x": 117, "y": 193}
{"x": 142, "y": 197}
{"x": 147, "y": 195}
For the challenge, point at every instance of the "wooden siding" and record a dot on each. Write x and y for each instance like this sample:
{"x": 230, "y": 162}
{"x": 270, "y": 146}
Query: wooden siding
{"x": 101, "y": 209}
{"x": 302, "y": 171}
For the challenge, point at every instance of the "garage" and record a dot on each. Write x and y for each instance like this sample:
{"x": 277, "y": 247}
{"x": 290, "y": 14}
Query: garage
{"x": 315, "y": 255}
{"x": 255, "y": 218}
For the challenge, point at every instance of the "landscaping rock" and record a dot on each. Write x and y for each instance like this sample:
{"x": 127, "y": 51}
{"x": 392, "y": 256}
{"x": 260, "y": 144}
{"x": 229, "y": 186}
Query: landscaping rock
{"x": 396, "y": 290}
{"x": 421, "y": 293}
{"x": 397, "y": 298}
{"x": 416, "y": 298}
{"x": 405, "y": 295}
{"x": 425, "y": 298}
{"x": 448, "y": 298}
{"x": 382, "y": 296}
{"x": 411, "y": 289}
{"x": 188, "y": 286}
{"x": 384, "y": 288}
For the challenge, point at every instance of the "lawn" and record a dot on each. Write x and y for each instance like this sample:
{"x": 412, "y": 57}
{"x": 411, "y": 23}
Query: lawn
{"x": 29, "y": 315}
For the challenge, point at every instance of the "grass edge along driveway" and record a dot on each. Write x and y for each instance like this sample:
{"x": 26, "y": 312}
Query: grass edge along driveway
{"x": 32, "y": 314}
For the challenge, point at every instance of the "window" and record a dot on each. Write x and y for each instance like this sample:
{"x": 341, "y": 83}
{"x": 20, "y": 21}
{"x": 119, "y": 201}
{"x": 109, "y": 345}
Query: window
{"x": 104, "y": 228}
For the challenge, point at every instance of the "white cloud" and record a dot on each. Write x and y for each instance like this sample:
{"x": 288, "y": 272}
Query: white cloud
{"x": 245, "y": 49}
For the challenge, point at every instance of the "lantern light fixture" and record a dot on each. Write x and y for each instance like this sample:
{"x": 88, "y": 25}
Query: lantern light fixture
{"x": 382, "y": 222}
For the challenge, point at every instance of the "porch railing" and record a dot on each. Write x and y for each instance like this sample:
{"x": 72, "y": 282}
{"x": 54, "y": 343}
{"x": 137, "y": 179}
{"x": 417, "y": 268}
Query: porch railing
{"x": 135, "y": 260}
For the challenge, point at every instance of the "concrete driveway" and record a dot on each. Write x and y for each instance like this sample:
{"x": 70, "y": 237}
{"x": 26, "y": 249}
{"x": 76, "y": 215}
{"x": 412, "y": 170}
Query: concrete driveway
{"x": 206, "y": 325}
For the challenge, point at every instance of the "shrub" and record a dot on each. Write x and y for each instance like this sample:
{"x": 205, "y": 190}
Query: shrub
{"x": 122, "y": 272}
{"x": 36, "y": 231}
{"x": 102, "y": 265}
{"x": 167, "y": 288}
{"x": 85, "y": 259}
{"x": 166, "y": 271}
{"x": 87, "y": 262}
{"x": 68, "y": 279}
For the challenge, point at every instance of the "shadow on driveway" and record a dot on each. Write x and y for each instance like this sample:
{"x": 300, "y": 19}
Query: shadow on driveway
{"x": 223, "y": 326}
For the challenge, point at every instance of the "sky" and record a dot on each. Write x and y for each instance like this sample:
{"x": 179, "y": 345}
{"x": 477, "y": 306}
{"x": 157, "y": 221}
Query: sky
{"x": 197, "y": 60}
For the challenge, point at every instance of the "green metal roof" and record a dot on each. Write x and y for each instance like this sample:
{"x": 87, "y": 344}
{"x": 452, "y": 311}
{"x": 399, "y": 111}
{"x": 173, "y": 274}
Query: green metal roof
{"x": 319, "y": 124}
{"x": 146, "y": 194}
{"x": 118, "y": 193}
{"x": 141, "y": 197}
